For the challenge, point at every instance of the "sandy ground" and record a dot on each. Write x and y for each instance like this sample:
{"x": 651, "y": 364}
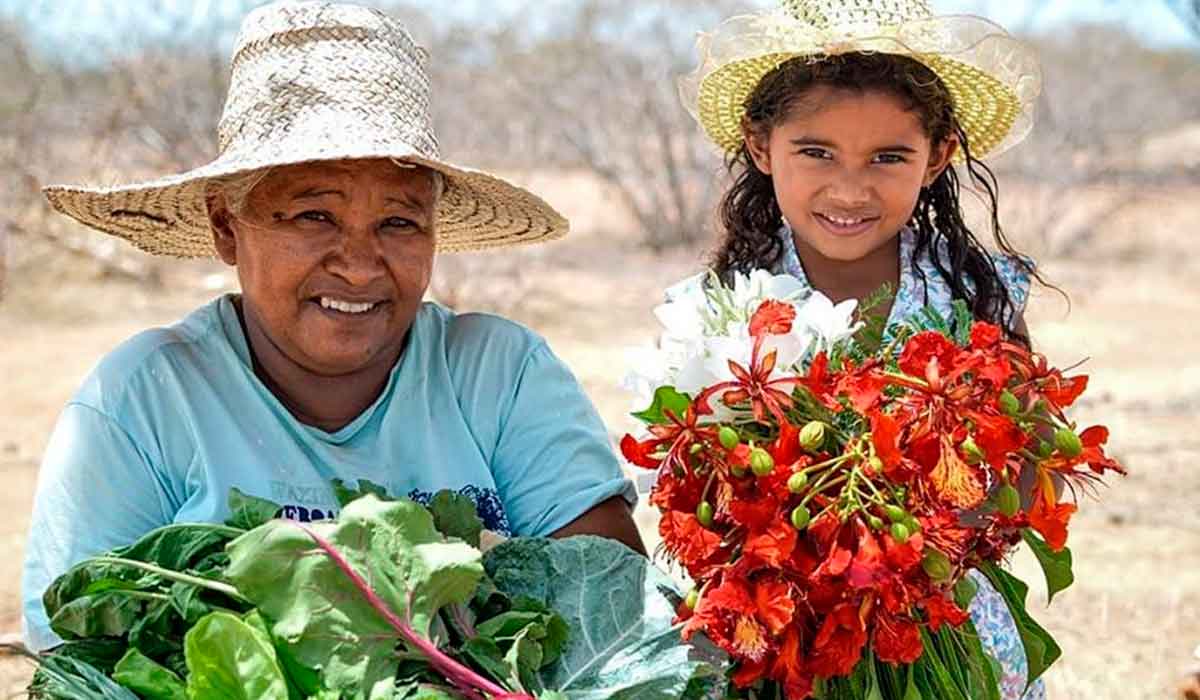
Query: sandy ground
{"x": 1127, "y": 627}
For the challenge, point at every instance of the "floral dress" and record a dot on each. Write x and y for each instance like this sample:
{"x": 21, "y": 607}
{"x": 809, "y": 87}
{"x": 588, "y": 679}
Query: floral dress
{"x": 997, "y": 631}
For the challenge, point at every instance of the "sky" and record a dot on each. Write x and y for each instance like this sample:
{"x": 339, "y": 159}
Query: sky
{"x": 74, "y": 25}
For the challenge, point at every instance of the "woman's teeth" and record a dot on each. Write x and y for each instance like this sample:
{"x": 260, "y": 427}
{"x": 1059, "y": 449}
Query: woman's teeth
{"x": 348, "y": 307}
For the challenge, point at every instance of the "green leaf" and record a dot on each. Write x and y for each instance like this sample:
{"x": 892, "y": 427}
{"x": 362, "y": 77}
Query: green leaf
{"x": 346, "y": 495}
{"x": 487, "y": 655}
{"x": 963, "y": 320}
{"x": 1040, "y": 648}
{"x": 525, "y": 656}
{"x": 149, "y": 679}
{"x": 1055, "y": 565}
{"x": 874, "y": 692}
{"x": 666, "y": 398}
{"x": 248, "y": 512}
{"x": 67, "y": 678}
{"x": 108, "y": 614}
{"x": 911, "y": 692}
{"x": 455, "y": 515}
{"x": 303, "y": 682}
{"x": 228, "y": 659}
{"x": 621, "y": 643}
{"x": 318, "y": 610}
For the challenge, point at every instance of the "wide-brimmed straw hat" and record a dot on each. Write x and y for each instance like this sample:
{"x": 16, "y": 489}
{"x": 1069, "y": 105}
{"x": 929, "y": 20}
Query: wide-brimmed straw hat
{"x": 317, "y": 81}
{"x": 993, "y": 79}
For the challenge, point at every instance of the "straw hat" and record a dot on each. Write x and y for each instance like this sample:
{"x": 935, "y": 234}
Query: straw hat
{"x": 317, "y": 81}
{"x": 993, "y": 79}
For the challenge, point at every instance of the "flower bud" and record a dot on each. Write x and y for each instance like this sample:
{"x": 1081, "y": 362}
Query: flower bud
{"x": 1008, "y": 501}
{"x": 1068, "y": 442}
{"x": 1009, "y": 403}
{"x": 812, "y": 436}
{"x": 761, "y": 462}
{"x": 913, "y": 525}
{"x": 738, "y": 472}
{"x": 695, "y": 449}
{"x": 895, "y": 513}
{"x": 800, "y": 517}
{"x": 1045, "y": 449}
{"x": 692, "y": 598}
{"x": 936, "y": 565}
{"x": 704, "y": 513}
{"x": 900, "y": 532}
{"x": 797, "y": 482}
{"x": 972, "y": 451}
{"x": 875, "y": 522}
{"x": 874, "y": 465}
{"x": 728, "y": 437}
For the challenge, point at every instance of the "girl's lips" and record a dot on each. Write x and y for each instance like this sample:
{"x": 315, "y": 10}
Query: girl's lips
{"x": 837, "y": 229}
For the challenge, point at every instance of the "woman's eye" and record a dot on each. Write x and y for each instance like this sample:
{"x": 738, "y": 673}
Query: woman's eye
{"x": 319, "y": 217}
{"x": 820, "y": 153}
{"x": 399, "y": 222}
{"x": 890, "y": 158}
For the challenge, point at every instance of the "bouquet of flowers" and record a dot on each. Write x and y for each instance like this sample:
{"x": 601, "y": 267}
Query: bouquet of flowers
{"x": 828, "y": 485}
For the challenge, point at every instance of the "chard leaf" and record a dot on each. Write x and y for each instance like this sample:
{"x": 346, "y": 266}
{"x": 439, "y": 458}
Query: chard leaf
{"x": 66, "y": 678}
{"x": 149, "y": 679}
{"x": 346, "y": 494}
{"x": 622, "y": 644}
{"x": 248, "y": 512}
{"x": 455, "y": 515}
{"x": 228, "y": 659}
{"x": 330, "y": 622}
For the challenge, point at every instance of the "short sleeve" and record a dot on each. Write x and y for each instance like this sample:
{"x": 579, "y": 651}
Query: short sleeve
{"x": 97, "y": 489}
{"x": 1014, "y": 273}
{"x": 553, "y": 461}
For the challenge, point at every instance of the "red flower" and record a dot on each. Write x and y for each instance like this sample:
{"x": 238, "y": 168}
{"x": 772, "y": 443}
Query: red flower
{"x": 868, "y": 568}
{"x": 638, "y": 453}
{"x": 954, "y": 481}
{"x": 940, "y": 610}
{"x": 925, "y": 348}
{"x": 776, "y": 608}
{"x": 686, "y": 539}
{"x": 788, "y": 668}
{"x": 1051, "y": 520}
{"x": 985, "y": 336}
{"x": 838, "y": 645}
{"x": 772, "y": 318}
{"x": 773, "y": 546}
{"x": 897, "y": 640}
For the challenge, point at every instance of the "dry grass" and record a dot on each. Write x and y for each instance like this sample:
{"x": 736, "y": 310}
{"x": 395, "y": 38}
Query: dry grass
{"x": 1127, "y": 627}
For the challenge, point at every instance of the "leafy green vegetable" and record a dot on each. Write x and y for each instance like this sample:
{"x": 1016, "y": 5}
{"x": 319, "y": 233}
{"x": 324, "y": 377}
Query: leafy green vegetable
{"x": 67, "y": 678}
{"x": 454, "y": 515}
{"x": 228, "y": 659}
{"x": 248, "y": 512}
{"x": 346, "y": 495}
{"x": 149, "y": 679}
{"x": 331, "y": 623}
{"x": 622, "y": 644}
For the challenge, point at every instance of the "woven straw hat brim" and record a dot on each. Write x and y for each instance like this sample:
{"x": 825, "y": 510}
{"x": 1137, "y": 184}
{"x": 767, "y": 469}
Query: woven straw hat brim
{"x": 317, "y": 81}
{"x": 993, "y": 79}
{"x": 168, "y": 216}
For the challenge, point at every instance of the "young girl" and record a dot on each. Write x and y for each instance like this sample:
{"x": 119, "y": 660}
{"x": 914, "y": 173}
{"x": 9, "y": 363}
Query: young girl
{"x": 845, "y": 124}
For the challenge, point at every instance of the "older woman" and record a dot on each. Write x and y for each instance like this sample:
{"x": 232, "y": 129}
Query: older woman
{"x": 330, "y": 200}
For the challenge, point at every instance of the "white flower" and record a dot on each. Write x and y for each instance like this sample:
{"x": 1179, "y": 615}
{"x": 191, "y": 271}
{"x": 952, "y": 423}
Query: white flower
{"x": 830, "y": 323}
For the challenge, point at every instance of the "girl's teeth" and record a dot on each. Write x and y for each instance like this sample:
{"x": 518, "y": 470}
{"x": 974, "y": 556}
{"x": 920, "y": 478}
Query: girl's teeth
{"x": 345, "y": 306}
{"x": 844, "y": 222}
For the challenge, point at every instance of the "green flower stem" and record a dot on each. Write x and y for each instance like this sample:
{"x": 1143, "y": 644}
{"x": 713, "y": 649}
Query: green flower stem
{"x": 820, "y": 487}
{"x": 179, "y": 577}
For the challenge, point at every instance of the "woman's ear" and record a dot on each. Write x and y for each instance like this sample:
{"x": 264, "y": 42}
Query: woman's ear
{"x": 939, "y": 159}
{"x": 758, "y": 144}
{"x": 221, "y": 221}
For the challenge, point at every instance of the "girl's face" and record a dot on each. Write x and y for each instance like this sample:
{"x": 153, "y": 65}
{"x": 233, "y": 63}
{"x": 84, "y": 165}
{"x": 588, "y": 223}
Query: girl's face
{"x": 848, "y": 167}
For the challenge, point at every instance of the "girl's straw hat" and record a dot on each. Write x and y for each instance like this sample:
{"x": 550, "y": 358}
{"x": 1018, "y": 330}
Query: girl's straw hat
{"x": 993, "y": 79}
{"x": 317, "y": 81}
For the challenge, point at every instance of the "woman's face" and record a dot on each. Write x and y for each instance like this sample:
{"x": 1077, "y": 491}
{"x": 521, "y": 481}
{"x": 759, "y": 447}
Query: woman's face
{"x": 333, "y": 259}
{"x": 848, "y": 167}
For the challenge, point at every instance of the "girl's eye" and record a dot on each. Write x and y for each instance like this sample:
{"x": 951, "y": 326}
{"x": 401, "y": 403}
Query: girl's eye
{"x": 820, "y": 153}
{"x": 887, "y": 158}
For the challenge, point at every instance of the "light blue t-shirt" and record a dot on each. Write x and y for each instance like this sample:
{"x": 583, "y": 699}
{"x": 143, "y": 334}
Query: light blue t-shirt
{"x": 175, "y": 417}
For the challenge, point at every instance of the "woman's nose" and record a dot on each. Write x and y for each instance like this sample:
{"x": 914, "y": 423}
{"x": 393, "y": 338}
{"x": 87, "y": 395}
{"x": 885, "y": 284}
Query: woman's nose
{"x": 358, "y": 258}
